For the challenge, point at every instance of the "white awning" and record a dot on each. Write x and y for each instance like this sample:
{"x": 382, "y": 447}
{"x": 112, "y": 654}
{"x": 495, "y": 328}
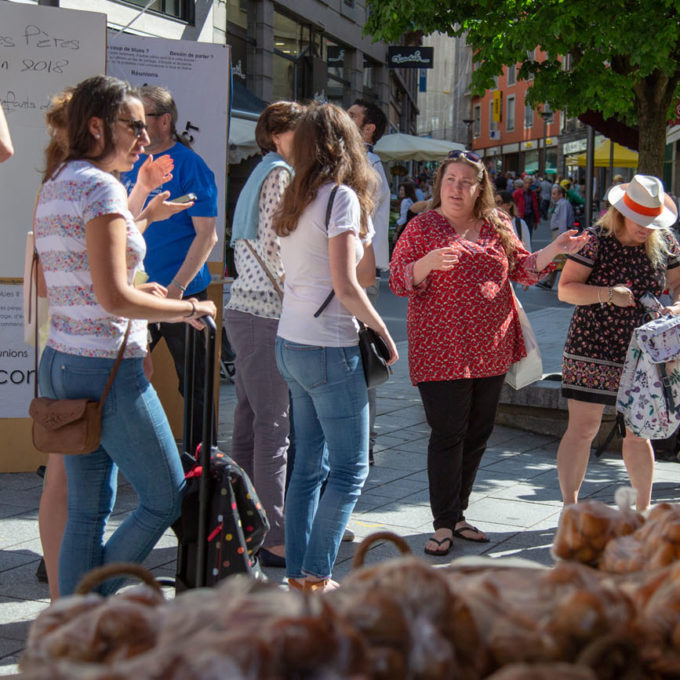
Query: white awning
{"x": 403, "y": 147}
{"x": 242, "y": 143}
{"x": 673, "y": 134}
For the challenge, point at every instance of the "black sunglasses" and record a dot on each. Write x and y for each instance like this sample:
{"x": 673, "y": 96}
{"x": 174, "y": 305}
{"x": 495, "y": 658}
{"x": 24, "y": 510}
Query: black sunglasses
{"x": 137, "y": 127}
{"x": 457, "y": 153}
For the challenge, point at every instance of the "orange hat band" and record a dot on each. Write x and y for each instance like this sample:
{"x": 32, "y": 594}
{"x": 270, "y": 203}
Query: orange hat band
{"x": 642, "y": 209}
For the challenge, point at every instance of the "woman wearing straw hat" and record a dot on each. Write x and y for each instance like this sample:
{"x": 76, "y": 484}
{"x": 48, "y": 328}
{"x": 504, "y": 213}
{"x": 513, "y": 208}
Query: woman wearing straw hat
{"x": 631, "y": 250}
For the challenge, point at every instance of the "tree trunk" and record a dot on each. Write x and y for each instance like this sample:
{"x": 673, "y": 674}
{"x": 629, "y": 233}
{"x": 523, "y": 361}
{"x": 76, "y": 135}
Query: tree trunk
{"x": 653, "y": 98}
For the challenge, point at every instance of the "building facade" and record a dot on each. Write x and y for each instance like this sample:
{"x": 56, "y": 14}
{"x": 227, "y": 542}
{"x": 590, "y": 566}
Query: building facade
{"x": 303, "y": 50}
{"x": 445, "y": 102}
{"x": 511, "y": 134}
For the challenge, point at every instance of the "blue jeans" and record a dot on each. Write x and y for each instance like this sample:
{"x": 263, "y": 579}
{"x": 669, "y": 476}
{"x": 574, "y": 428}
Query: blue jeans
{"x": 136, "y": 438}
{"x": 330, "y": 418}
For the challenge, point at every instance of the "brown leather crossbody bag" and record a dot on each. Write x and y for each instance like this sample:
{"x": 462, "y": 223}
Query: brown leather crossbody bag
{"x": 68, "y": 426}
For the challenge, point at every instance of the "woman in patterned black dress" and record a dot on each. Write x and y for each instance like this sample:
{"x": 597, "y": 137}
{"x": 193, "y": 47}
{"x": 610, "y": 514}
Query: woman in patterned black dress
{"x": 631, "y": 251}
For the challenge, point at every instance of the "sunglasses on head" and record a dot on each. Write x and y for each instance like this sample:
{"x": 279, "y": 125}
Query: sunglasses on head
{"x": 467, "y": 154}
{"x": 137, "y": 127}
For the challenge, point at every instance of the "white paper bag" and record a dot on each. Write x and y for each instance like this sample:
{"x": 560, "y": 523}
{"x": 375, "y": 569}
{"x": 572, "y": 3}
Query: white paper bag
{"x": 530, "y": 369}
{"x": 41, "y": 315}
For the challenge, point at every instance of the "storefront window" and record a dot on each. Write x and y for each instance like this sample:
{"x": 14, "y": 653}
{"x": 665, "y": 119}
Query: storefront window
{"x": 531, "y": 161}
{"x": 291, "y": 45}
{"x": 335, "y": 61}
{"x": 290, "y": 37}
{"x": 237, "y": 13}
{"x": 286, "y": 73}
{"x": 181, "y": 9}
{"x": 239, "y": 56}
{"x": 335, "y": 58}
{"x": 370, "y": 75}
{"x": 551, "y": 159}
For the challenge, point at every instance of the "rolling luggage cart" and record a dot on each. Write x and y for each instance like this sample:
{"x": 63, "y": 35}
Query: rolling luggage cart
{"x": 222, "y": 525}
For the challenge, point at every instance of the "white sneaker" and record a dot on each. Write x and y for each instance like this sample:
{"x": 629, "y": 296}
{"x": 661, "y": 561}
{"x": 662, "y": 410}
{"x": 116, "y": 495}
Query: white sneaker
{"x": 348, "y": 536}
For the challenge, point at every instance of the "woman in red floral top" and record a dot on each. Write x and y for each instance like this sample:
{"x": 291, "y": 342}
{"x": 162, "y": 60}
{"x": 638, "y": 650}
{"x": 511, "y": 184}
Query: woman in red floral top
{"x": 455, "y": 262}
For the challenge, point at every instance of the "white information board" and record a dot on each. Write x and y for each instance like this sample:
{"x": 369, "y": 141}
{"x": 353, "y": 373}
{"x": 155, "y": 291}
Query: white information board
{"x": 42, "y": 50}
{"x": 16, "y": 357}
{"x": 197, "y": 74}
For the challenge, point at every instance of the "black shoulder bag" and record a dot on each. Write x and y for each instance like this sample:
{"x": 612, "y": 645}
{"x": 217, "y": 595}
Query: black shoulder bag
{"x": 374, "y": 351}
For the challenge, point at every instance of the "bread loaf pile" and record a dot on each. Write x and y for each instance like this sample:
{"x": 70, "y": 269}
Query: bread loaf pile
{"x": 401, "y": 619}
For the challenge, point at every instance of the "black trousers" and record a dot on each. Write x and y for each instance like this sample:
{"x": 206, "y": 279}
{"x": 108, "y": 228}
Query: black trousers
{"x": 175, "y": 339}
{"x": 461, "y": 414}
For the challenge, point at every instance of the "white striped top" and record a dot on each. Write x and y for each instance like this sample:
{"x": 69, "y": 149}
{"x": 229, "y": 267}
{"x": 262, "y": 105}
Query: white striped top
{"x": 79, "y": 324}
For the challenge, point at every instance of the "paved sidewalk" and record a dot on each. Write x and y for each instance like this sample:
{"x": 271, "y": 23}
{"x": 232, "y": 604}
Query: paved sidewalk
{"x": 516, "y": 500}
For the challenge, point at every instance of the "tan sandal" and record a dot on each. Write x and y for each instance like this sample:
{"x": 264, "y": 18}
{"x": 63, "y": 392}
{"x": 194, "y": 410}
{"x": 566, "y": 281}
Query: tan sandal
{"x": 312, "y": 586}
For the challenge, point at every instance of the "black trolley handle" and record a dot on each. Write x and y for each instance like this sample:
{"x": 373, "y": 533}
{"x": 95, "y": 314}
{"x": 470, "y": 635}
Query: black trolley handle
{"x": 210, "y": 335}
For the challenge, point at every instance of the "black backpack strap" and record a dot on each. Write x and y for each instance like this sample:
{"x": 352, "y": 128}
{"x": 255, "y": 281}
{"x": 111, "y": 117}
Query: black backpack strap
{"x": 619, "y": 428}
{"x": 329, "y": 208}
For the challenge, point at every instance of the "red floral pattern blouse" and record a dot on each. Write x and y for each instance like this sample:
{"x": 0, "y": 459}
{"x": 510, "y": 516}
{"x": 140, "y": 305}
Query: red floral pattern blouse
{"x": 461, "y": 323}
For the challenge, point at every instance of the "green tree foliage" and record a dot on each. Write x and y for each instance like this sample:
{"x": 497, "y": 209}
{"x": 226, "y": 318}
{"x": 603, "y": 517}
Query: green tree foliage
{"x": 624, "y": 56}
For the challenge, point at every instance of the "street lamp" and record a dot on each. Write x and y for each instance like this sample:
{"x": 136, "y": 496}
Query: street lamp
{"x": 546, "y": 114}
{"x": 469, "y": 122}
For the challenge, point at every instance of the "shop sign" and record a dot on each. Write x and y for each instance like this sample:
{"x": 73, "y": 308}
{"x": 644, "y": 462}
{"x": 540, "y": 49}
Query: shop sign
{"x": 497, "y": 106}
{"x": 577, "y": 146}
{"x": 410, "y": 57}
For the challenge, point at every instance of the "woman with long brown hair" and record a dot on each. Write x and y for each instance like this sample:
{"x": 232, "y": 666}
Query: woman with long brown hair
{"x": 455, "y": 263}
{"x": 325, "y": 233}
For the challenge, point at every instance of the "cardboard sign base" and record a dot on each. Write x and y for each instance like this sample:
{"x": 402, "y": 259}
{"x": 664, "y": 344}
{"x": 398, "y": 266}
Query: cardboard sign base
{"x": 18, "y": 453}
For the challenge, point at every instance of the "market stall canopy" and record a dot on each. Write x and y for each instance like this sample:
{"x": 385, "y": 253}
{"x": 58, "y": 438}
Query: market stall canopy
{"x": 245, "y": 109}
{"x": 673, "y": 134}
{"x": 623, "y": 157}
{"x": 403, "y": 147}
{"x": 242, "y": 142}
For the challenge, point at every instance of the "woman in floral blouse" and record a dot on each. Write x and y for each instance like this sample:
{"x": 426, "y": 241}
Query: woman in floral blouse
{"x": 455, "y": 263}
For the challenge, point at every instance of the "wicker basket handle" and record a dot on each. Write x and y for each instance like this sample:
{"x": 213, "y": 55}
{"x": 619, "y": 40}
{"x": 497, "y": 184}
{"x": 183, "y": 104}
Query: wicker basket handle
{"x": 100, "y": 574}
{"x": 388, "y": 536}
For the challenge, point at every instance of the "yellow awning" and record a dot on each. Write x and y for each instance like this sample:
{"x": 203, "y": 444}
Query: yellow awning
{"x": 623, "y": 157}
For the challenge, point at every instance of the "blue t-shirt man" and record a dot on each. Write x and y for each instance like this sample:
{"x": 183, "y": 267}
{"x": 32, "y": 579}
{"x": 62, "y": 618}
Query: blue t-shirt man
{"x": 168, "y": 242}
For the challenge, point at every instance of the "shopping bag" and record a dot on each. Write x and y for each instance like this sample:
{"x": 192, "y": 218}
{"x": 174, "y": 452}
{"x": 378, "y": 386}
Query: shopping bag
{"x": 530, "y": 369}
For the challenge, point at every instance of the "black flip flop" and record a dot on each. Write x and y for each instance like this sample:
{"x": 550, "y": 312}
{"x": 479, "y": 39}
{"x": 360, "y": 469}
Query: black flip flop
{"x": 458, "y": 533}
{"x": 440, "y": 553}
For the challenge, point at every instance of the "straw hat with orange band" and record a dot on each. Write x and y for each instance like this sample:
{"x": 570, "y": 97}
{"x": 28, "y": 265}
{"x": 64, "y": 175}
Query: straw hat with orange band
{"x": 644, "y": 201}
